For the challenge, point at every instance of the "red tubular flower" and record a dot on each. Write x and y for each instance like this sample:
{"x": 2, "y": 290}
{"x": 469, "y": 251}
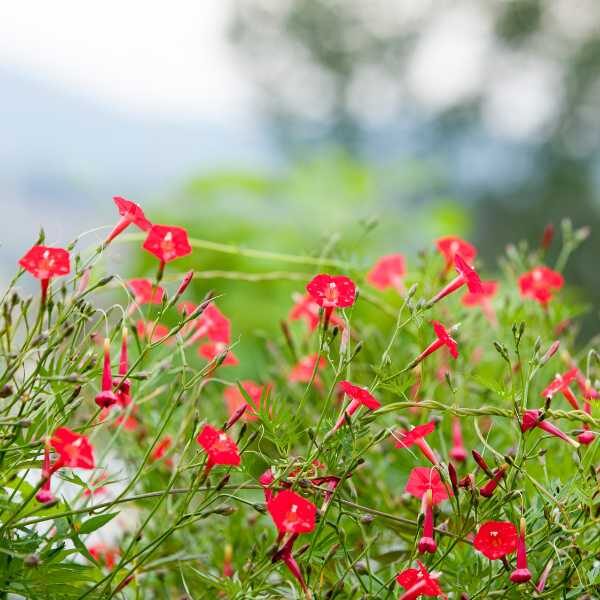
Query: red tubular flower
{"x": 458, "y": 451}
{"x": 145, "y": 291}
{"x": 303, "y": 370}
{"x": 561, "y": 384}
{"x": 540, "y": 284}
{"x": 521, "y": 574}
{"x": 487, "y": 490}
{"x": 533, "y": 418}
{"x": 419, "y": 582}
{"x": 359, "y": 397}
{"x": 106, "y": 397}
{"x": 219, "y": 447}
{"x": 131, "y": 213}
{"x": 443, "y": 339}
{"x": 585, "y": 386}
{"x": 586, "y": 436}
{"x": 405, "y": 439}
{"x": 450, "y": 246}
{"x": 496, "y": 539}
{"x": 422, "y": 479}
{"x": 167, "y": 243}
{"x": 123, "y": 386}
{"x": 332, "y": 292}
{"x": 266, "y": 480}
{"x": 74, "y": 450}
{"x": 483, "y": 299}
{"x": 44, "y": 262}
{"x": 236, "y": 400}
{"x": 105, "y": 554}
{"x": 212, "y": 350}
{"x": 185, "y": 282}
{"x": 466, "y": 276}
{"x": 227, "y": 561}
{"x": 159, "y": 451}
{"x": 305, "y": 307}
{"x": 213, "y": 324}
{"x": 388, "y": 272}
{"x": 292, "y": 513}
{"x": 541, "y": 584}
{"x": 427, "y": 542}
{"x": 44, "y": 494}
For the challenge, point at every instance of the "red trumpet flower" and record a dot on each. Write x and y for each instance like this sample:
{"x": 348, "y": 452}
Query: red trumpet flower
{"x": 44, "y": 494}
{"x": 236, "y": 400}
{"x": 422, "y": 479}
{"x": 533, "y": 418}
{"x": 419, "y": 582}
{"x": 496, "y": 539}
{"x": 483, "y": 299}
{"x": 415, "y": 436}
{"x": 466, "y": 276}
{"x": 167, "y": 243}
{"x": 427, "y": 542}
{"x": 266, "y": 480}
{"x": 586, "y": 436}
{"x": 44, "y": 263}
{"x": 359, "y": 397}
{"x": 161, "y": 449}
{"x": 443, "y": 339}
{"x": 540, "y": 284}
{"x": 521, "y": 574}
{"x": 450, "y": 246}
{"x": 305, "y": 307}
{"x": 145, "y": 292}
{"x": 106, "y": 397}
{"x": 292, "y": 513}
{"x": 388, "y": 272}
{"x": 131, "y": 213}
{"x": 74, "y": 450}
{"x": 213, "y": 324}
{"x": 332, "y": 292}
{"x": 458, "y": 451}
{"x": 219, "y": 447}
{"x": 561, "y": 384}
{"x": 487, "y": 490}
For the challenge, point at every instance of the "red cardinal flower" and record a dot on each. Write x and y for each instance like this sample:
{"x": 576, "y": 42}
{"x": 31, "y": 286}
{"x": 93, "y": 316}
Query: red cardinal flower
{"x": 586, "y": 436}
{"x": 521, "y": 574}
{"x": 419, "y": 582}
{"x": 104, "y": 554}
{"x": 585, "y": 386}
{"x": 305, "y": 307}
{"x": 561, "y": 384}
{"x": 466, "y": 276}
{"x": 540, "y": 284}
{"x": 160, "y": 450}
{"x": 131, "y": 213}
{"x": 443, "y": 339}
{"x": 214, "y": 349}
{"x": 450, "y": 246}
{"x": 213, "y": 324}
{"x": 415, "y": 436}
{"x": 487, "y": 490}
{"x": 145, "y": 291}
{"x": 427, "y": 542}
{"x": 496, "y": 539}
{"x": 483, "y": 299}
{"x": 533, "y": 418}
{"x": 74, "y": 450}
{"x": 422, "y": 479}
{"x": 332, "y": 292}
{"x": 292, "y": 513}
{"x": 106, "y": 397}
{"x": 387, "y": 272}
{"x": 44, "y": 263}
{"x": 219, "y": 447}
{"x": 458, "y": 451}
{"x": 236, "y": 400}
{"x": 359, "y": 397}
{"x": 303, "y": 370}
{"x": 167, "y": 243}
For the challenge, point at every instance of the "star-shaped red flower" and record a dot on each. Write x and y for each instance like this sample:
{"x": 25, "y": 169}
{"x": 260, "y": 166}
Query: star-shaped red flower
{"x": 219, "y": 447}
{"x": 540, "y": 284}
{"x": 74, "y": 450}
{"x": 292, "y": 513}
{"x": 496, "y": 539}
{"x": 422, "y": 479}
{"x": 167, "y": 243}
{"x": 329, "y": 291}
{"x": 388, "y": 272}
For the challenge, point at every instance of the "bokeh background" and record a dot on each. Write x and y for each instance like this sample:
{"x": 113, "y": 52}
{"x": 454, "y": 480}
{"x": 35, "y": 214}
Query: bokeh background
{"x": 304, "y": 125}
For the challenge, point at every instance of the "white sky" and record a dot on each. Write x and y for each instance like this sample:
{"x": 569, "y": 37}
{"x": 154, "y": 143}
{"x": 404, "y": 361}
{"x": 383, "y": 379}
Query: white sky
{"x": 144, "y": 57}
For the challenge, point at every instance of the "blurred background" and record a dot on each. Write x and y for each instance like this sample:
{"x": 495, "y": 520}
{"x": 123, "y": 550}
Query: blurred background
{"x": 280, "y": 124}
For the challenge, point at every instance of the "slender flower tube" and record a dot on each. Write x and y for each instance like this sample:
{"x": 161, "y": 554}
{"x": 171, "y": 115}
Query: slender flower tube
{"x": 416, "y": 437}
{"x": 586, "y": 436}
{"x": 123, "y": 387}
{"x": 359, "y": 397}
{"x": 466, "y": 276}
{"x": 427, "y": 543}
{"x": 541, "y": 584}
{"x": 44, "y": 494}
{"x": 521, "y": 574}
{"x": 458, "y": 451}
{"x": 106, "y": 397}
{"x": 131, "y": 213}
{"x": 533, "y": 418}
{"x": 481, "y": 463}
{"x": 487, "y": 491}
{"x": 443, "y": 339}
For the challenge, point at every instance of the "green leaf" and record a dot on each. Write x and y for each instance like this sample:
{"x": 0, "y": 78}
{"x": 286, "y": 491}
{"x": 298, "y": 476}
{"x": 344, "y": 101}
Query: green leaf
{"x": 96, "y": 522}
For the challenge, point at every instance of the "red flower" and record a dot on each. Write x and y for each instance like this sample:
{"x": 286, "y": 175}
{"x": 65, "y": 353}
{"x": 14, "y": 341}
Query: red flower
{"x": 74, "y": 450}
{"x": 487, "y": 490}
{"x": 533, "y": 418}
{"x": 130, "y": 213}
{"x": 458, "y": 451}
{"x": 521, "y": 574}
{"x": 292, "y": 513}
{"x": 443, "y": 339}
{"x": 483, "y": 299}
{"x": 213, "y": 324}
{"x": 332, "y": 291}
{"x": 305, "y": 307}
{"x": 167, "y": 243}
{"x": 540, "y": 284}
{"x": 212, "y": 350}
{"x": 44, "y": 263}
{"x": 496, "y": 539}
{"x": 450, "y": 246}
{"x": 388, "y": 272}
{"x": 405, "y": 439}
{"x": 106, "y": 397}
{"x": 585, "y": 386}
{"x": 219, "y": 447}
{"x": 359, "y": 397}
{"x": 427, "y": 542}
{"x": 422, "y": 479}
{"x": 145, "y": 292}
{"x": 161, "y": 448}
{"x": 419, "y": 582}
{"x": 105, "y": 554}
{"x": 129, "y": 422}
{"x": 236, "y": 400}
{"x": 303, "y": 370}
{"x": 152, "y": 331}
{"x": 561, "y": 384}
{"x": 466, "y": 276}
